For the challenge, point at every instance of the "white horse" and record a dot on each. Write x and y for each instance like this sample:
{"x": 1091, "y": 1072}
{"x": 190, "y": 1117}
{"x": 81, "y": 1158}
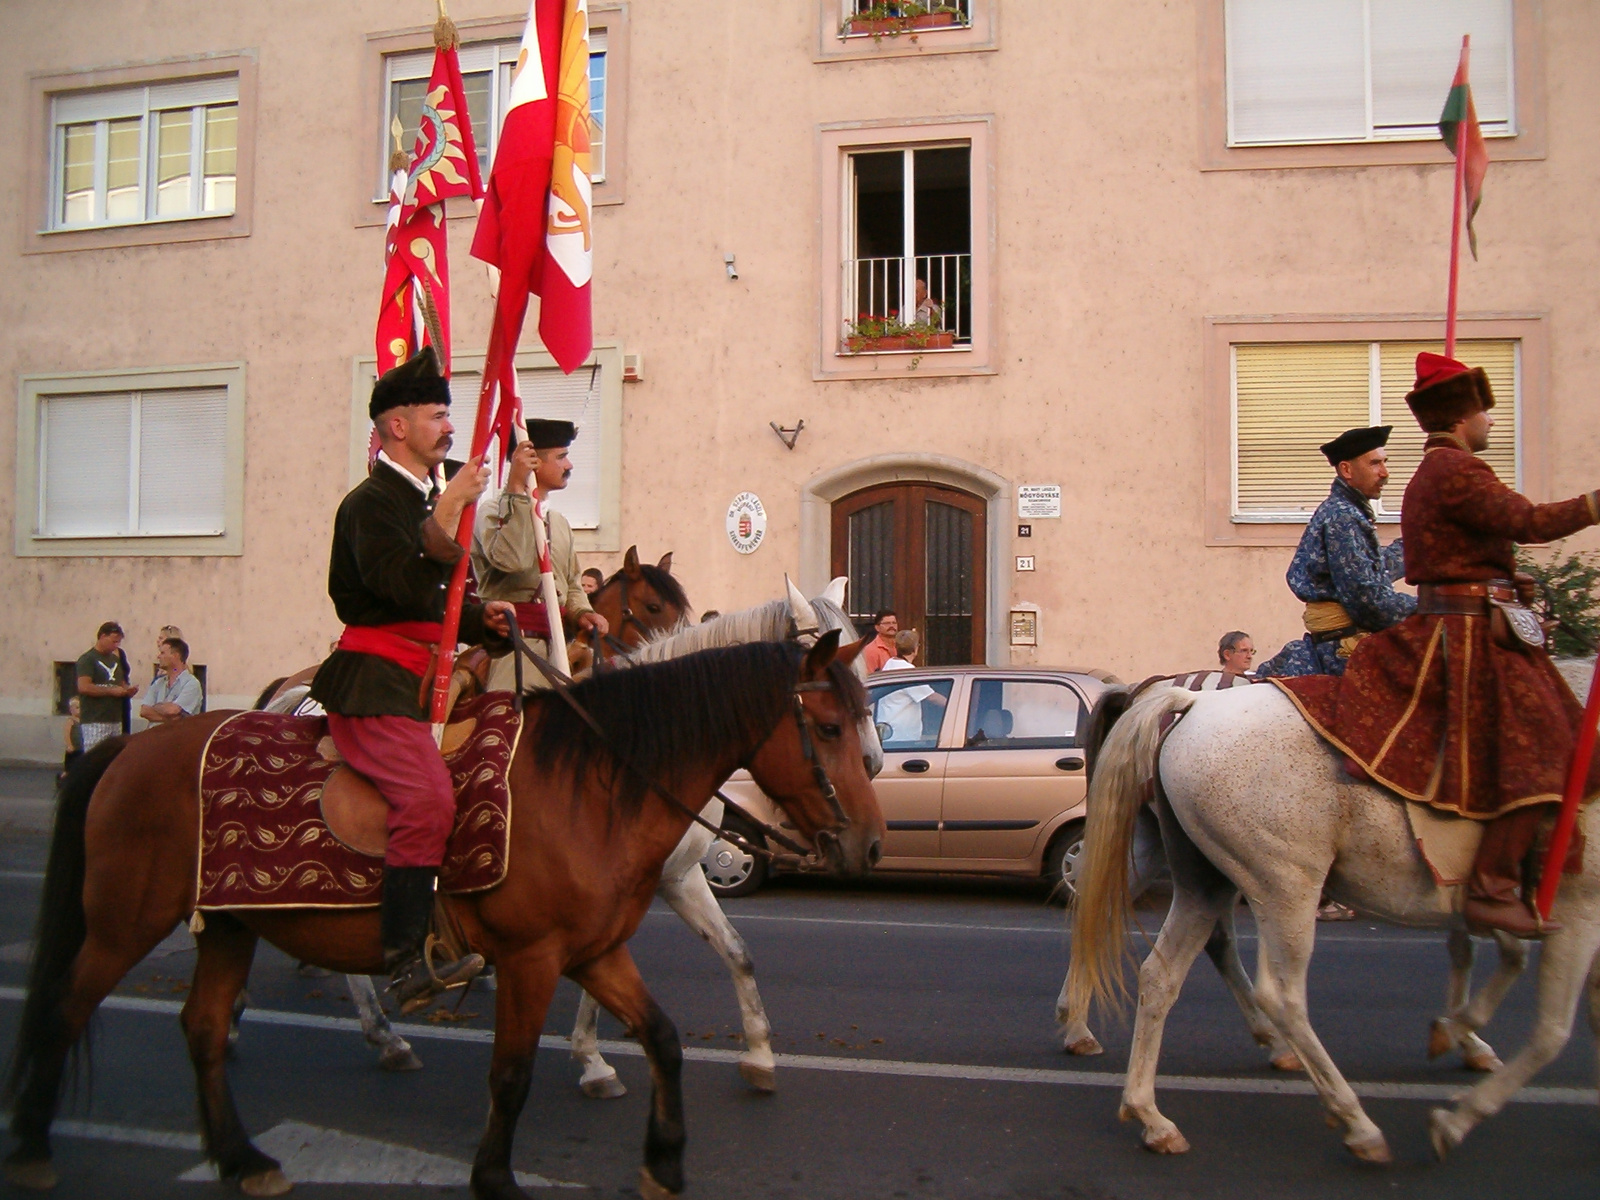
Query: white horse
{"x": 1252, "y": 801}
{"x": 683, "y": 882}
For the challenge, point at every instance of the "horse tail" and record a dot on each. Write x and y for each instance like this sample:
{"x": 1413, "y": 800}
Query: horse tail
{"x": 269, "y": 692}
{"x": 1107, "y": 711}
{"x": 62, "y": 926}
{"x": 1103, "y": 901}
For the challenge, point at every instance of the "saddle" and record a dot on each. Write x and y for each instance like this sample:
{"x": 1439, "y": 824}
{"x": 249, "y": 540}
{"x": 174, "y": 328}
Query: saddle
{"x": 285, "y": 823}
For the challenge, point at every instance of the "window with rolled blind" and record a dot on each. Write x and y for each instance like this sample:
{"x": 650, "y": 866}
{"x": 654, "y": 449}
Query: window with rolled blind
{"x": 1291, "y": 397}
{"x": 554, "y": 395}
{"x": 1362, "y": 70}
{"x": 133, "y": 464}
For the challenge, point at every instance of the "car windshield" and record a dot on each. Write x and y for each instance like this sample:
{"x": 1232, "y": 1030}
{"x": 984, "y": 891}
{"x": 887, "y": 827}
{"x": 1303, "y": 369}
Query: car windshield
{"x": 1022, "y": 714}
{"x": 908, "y": 715}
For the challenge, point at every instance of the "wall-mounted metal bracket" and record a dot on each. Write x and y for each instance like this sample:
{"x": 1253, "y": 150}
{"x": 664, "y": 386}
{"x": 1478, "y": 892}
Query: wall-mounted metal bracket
{"x": 788, "y": 436}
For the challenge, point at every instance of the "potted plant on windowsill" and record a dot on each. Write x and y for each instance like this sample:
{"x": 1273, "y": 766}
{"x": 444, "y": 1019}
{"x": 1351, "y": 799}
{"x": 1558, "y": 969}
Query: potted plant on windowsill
{"x": 869, "y": 334}
{"x": 894, "y": 18}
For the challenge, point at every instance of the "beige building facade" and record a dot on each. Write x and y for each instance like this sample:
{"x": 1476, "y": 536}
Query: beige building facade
{"x": 1102, "y": 273}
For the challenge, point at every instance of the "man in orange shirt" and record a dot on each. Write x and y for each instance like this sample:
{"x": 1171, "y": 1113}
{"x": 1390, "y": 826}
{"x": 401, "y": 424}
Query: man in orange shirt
{"x": 881, "y": 649}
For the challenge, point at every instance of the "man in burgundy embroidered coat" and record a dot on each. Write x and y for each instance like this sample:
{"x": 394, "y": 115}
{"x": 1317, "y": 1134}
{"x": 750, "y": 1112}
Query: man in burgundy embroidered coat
{"x": 388, "y": 575}
{"x": 1449, "y": 707}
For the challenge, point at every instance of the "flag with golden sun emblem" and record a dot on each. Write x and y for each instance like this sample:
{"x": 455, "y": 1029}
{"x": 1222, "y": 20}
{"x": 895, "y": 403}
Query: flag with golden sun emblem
{"x": 444, "y": 163}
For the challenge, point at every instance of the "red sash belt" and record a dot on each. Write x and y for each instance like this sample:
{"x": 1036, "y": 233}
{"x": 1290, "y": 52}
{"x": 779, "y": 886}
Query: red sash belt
{"x": 533, "y": 620}
{"x": 408, "y": 644}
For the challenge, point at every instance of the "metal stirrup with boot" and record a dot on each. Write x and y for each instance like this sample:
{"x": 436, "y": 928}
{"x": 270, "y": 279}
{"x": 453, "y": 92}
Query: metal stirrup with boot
{"x": 1495, "y": 889}
{"x": 407, "y": 949}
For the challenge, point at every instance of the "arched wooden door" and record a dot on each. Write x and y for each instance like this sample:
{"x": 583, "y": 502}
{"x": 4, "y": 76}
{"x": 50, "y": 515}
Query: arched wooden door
{"x": 919, "y": 549}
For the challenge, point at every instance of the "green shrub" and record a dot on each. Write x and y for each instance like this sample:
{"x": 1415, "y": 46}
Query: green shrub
{"x": 1571, "y": 585}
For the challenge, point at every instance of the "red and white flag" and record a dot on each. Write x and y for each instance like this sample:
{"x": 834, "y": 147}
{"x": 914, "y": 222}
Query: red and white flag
{"x": 444, "y": 163}
{"x": 536, "y": 221}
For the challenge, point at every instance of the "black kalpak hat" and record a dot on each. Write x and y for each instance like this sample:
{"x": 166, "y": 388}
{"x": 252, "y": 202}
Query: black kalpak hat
{"x": 1353, "y": 443}
{"x": 415, "y": 381}
{"x": 548, "y": 435}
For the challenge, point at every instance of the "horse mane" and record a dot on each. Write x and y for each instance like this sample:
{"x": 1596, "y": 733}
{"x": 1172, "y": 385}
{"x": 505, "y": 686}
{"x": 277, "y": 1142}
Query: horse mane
{"x": 767, "y": 622}
{"x": 665, "y": 584}
{"x": 734, "y": 695}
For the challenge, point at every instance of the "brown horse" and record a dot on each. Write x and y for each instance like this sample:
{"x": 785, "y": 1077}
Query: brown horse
{"x": 640, "y": 602}
{"x": 588, "y": 840}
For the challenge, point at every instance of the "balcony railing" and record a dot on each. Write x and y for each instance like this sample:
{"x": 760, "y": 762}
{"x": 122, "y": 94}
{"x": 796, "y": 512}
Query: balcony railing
{"x": 882, "y": 312}
{"x": 933, "y": 14}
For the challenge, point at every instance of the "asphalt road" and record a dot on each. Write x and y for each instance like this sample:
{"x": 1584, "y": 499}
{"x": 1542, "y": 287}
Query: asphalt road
{"x": 920, "y": 1061}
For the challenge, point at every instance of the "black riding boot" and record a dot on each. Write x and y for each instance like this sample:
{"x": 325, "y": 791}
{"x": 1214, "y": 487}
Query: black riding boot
{"x": 406, "y": 913}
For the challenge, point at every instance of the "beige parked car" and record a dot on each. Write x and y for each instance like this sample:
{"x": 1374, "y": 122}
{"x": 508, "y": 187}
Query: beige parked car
{"x": 983, "y": 773}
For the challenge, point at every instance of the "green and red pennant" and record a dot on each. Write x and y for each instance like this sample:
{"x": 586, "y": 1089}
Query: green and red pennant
{"x": 1458, "y": 125}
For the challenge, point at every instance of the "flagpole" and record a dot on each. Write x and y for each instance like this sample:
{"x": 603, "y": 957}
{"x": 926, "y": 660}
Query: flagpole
{"x": 1577, "y": 776}
{"x": 450, "y": 633}
{"x": 1455, "y": 231}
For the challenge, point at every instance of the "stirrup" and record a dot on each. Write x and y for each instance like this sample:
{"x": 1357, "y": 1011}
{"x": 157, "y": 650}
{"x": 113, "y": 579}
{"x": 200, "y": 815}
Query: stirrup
{"x": 418, "y": 983}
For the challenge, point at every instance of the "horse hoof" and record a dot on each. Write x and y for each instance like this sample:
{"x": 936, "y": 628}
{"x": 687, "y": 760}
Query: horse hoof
{"x": 1287, "y": 1061}
{"x": 1371, "y": 1150}
{"x": 649, "y": 1189}
{"x": 1086, "y": 1046}
{"x": 1439, "y": 1039}
{"x": 1445, "y": 1132}
{"x": 37, "y": 1176}
{"x": 1478, "y": 1060}
{"x": 763, "y": 1079}
{"x": 397, "y": 1058}
{"x": 607, "y": 1087}
{"x": 268, "y": 1183}
{"x": 1170, "y": 1142}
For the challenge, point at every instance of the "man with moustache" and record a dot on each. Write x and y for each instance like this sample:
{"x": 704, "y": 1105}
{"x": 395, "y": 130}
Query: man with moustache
{"x": 506, "y": 559}
{"x": 388, "y": 576}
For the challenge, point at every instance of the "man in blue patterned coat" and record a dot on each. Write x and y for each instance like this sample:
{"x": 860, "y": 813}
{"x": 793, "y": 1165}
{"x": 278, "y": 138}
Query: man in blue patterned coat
{"x": 1343, "y": 575}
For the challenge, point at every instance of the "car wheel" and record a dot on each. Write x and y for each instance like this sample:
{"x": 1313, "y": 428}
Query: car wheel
{"x": 730, "y": 870}
{"x": 1063, "y": 861}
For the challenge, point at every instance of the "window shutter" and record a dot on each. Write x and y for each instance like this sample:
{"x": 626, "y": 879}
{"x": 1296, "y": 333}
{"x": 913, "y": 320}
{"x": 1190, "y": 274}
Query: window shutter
{"x": 1289, "y": 399}
{"x": 83, "y": 466}
{"x": 189, "y": 93}
{"x": 1397, "y": 370}
{"x": 551, "y": 394}
{"x": 183, "y": 457}
{"x": 1415, "y": 47}
{"x": 1297, "y": 72}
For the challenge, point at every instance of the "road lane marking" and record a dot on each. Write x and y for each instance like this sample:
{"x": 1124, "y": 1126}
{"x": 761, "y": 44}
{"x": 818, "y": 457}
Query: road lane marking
{"x": 28, "y": 875}
{"x": 878, "y": 1066}
{"x": 312, "y": 1154}
{"x": 1380, "y": 940}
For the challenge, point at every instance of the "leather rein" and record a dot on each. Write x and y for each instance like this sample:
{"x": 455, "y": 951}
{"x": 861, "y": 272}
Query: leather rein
{"x": 799, "y": 857}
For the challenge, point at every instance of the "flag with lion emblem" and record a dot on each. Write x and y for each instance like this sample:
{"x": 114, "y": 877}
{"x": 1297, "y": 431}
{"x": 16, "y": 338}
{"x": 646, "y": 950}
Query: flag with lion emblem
{"x": 536, "y": 223}
{"x": 443, "y": 163}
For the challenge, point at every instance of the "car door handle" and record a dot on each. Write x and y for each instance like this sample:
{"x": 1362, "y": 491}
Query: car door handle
{"x": 1071, "y": 762}
{"x": 915, "y": 765}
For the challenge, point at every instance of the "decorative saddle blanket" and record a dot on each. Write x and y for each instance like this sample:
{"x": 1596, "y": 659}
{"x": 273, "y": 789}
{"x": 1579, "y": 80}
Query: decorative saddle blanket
{"x": 285, "y": 824}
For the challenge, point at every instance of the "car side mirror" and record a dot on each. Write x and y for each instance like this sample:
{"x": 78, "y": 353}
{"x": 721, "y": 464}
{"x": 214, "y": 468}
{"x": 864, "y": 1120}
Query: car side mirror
{"x": 884, "y": 730}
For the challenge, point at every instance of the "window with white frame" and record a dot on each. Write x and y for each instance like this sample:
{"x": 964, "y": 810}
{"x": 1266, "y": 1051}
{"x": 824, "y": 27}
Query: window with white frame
{"x": 550, "y": 393}
{"x": 159, "y": 152}
{"x": 1291, "y": 397}
{"x": 486, "y": 69}
{"x": 1362, "y": 70}
{"x": 906, "y": 269}
{"x": 133, "y": 464}
{"x": 863, "y": 18}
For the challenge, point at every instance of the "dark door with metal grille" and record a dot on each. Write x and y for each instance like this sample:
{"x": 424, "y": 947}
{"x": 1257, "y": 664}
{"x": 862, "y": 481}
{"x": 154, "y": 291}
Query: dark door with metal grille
{"x": 918, "y": 549}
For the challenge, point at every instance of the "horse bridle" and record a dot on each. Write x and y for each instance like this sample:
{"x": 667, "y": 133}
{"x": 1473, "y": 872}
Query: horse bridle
{"x": 799, "y": 857}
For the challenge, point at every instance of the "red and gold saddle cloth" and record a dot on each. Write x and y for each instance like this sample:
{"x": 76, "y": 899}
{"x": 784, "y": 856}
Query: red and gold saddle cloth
{"x": 285, "y": 824}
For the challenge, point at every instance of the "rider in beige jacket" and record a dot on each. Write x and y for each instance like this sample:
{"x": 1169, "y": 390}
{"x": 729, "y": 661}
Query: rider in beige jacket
{"x": 506, "y": 559}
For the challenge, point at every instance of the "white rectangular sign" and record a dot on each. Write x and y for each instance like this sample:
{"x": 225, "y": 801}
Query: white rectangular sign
{"x": 1038, "y": 500}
